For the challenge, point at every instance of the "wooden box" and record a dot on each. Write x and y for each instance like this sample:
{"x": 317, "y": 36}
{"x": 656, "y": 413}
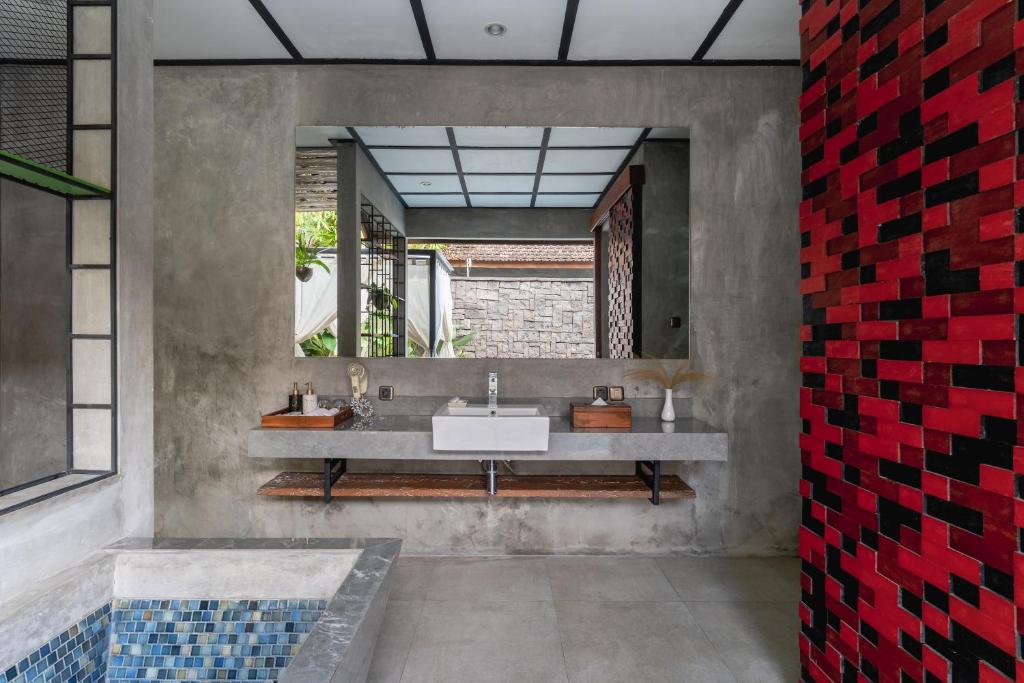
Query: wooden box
{"x": 612, "y": 416}
{"x": 280, "y": 419}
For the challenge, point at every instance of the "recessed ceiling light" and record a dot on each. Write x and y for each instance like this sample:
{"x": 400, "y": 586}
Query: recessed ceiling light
{"x": 495, "y": 29}
{"x": 426, "y": 183}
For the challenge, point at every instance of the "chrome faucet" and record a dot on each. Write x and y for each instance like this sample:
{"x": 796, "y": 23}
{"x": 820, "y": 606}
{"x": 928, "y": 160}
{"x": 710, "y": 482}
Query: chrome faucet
{"x": 492, "y": 390}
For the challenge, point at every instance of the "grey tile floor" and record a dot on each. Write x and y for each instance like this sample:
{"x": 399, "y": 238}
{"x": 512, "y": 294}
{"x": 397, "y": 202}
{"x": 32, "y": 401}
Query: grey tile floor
{"x": 590, "y": 620}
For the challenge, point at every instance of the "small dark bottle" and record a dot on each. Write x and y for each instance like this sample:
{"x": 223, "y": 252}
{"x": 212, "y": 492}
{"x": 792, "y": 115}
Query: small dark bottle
{"x": 295, "y": 399}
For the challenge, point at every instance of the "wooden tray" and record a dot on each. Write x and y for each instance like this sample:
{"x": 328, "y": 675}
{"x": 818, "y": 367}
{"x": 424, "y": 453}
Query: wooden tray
{"x": 612, "y": 416}
{"x": 279, "y": 419}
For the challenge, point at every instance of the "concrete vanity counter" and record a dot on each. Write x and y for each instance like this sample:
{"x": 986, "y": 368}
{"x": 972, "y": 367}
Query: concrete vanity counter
{"x": 408, "y": 437}
{"x": 402, "y": 430}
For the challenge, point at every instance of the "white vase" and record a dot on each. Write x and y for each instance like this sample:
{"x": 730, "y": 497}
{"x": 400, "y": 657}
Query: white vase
{"x": 668, "y": 413}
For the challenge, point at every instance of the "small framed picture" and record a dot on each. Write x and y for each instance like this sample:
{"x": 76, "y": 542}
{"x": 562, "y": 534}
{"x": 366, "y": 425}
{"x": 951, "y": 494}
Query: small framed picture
{"x": 616, "y": 394}
{"x": 601, "y": 393}
{"x": 386, "y": 392}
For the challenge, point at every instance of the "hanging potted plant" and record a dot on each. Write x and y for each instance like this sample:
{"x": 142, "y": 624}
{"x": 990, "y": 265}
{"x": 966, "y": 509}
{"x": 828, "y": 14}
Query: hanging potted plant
{"x": 314, "y": 231}
{"x": 305, "y": 259}
{"x": 381, "y": 299}
{"x": 668, "y": 381}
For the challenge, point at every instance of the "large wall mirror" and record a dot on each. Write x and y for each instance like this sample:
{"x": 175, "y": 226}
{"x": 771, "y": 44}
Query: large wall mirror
{"x": 491, "y": 242}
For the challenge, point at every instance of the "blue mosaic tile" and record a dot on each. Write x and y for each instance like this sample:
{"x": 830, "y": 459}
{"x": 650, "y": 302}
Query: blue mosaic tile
{"x": 174, "y": 640}
{"x": 231, "y": 640}
{"x": 78, "y": 655}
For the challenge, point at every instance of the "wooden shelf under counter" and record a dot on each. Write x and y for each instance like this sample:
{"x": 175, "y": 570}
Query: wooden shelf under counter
{"x": 364, "y": 485}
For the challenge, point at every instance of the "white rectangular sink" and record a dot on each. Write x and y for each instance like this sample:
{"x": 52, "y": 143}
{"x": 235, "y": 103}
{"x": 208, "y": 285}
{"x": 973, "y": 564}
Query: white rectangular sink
{"x": 479, "y": 428}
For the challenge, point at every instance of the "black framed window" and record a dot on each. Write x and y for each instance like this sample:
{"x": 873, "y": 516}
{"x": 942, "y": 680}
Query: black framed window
{"x": 58, "y": 313}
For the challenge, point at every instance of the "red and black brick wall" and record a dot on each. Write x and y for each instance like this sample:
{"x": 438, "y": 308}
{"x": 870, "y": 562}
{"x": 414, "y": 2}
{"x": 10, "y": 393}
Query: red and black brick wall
{"x": 912, "y": 258}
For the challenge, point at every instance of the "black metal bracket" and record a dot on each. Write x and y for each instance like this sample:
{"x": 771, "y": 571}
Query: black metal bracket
{"x": 653, "y": 480}
{"x": 333, "y": 469}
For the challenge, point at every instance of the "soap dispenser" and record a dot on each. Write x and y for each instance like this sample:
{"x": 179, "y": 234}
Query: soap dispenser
{"x": 309, "y": 400}
{"x": 295, "y": 399}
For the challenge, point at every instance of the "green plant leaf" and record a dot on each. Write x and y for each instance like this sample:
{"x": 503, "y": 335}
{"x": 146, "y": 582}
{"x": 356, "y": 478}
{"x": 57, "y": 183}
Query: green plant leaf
{"x": 322, "y": 344}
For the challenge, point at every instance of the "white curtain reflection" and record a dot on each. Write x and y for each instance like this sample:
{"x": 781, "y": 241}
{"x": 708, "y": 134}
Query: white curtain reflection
{"x": 316, "y": 304}
{"x": 417, "y": 292}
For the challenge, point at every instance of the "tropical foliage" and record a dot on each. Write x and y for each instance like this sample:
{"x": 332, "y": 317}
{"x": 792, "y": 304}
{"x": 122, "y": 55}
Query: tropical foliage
{"x": 322, "y": 344}
{"x": 314, "y": 230}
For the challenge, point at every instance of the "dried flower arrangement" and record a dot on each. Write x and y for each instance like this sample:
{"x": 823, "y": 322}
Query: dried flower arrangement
{"x": 665, "y": 378}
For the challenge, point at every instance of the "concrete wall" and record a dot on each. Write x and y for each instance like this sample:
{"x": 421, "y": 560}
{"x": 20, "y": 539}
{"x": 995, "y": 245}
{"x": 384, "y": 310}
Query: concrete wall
{"x": 44, "y": 539}
{"x": 497, "y": 224}
{"x": 665, "y": 244}
{"x": 224, "y": 173}
{"x": 33, "y": 334}
{"x": 525, "y": 317}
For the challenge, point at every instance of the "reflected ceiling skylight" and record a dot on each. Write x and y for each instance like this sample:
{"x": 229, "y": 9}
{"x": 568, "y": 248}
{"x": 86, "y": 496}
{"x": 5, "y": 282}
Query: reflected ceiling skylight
{"x": 499, "y": 160}
{"x": 414, "y": 160}
{"x": 521, "y": 201}
{"x": 583, "y": 160}
{"x": 574, "y": 183}
{"x": 412, "y": 136}
{"x": 433, "y": 200}
{"x": 500, "y": 183}
{"x": 493, "y": 136}
{"x": 593, "y": 137}
{"x": 515, "y": 166}
{"x": 426, "y": 183}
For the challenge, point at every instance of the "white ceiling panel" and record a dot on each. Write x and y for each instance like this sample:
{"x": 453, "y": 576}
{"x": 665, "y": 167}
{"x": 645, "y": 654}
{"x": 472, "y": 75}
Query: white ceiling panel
{"x": 662, "y": 133}
{"x": 418, "y": 136}
{"x": 415, "y": 160}
{"x": 573, "y": 183}
{"x": 500, "y": 183}
{"x": 760, "y": 29}
{"x": 365, "y": 29}
{"x": 499, "y": 160}
{"x": 566, "y": 200}
{"x": 593, "y": 137}
{"x": 430, "y": 200}
{"x": 534, "y": 28}
{"x": 434, "y": 183}
{"x": 644, "y": 29}
{"x": 498, "y": 136}
{"x": 583, "y": 160}
{"x": 212, "y": 29}
{"x": 500, "y": 200}
{"x": 319, "y": 136}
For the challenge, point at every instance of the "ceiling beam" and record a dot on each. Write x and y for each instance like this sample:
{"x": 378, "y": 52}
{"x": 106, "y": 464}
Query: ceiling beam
{"x": 540, "y": 165}
{"x": 571, "y": 6}
{"x": 275, "y": 28}
{"x": 458, "y": 164}
{"x": 421, "y": 26}
{"x": 624, "y": 165}
{"x": 373, "y": 161}
{"x": 716, "y": 30}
